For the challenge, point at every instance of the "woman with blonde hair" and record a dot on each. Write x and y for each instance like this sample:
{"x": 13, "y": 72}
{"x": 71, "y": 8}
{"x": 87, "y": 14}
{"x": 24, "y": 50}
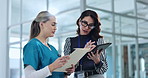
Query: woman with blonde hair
{"x": 41, "y": 58}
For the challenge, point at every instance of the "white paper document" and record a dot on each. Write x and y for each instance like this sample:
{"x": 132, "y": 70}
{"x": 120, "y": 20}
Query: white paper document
{"x": 74, "y": 58}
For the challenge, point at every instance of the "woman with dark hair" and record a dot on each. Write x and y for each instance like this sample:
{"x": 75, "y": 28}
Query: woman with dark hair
{"x": 91, "y": 65}
{"x": 40, "y": 58}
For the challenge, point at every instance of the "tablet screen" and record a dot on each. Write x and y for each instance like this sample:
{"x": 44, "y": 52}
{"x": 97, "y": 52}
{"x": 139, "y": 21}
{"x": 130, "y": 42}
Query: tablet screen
{"x": 101, "y": 47}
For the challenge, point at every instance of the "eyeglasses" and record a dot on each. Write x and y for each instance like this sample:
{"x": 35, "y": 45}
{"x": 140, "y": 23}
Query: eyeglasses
{"x": 85, "y": 24}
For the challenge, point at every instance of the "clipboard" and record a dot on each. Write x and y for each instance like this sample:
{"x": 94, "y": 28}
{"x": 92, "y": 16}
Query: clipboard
{"x": 101, "y": 47}
{"x": 75, "y": 56}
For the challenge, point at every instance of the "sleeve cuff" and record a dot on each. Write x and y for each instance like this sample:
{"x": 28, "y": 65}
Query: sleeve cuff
{"x": 99, "y": 64}
{"x": 48, "y": 70}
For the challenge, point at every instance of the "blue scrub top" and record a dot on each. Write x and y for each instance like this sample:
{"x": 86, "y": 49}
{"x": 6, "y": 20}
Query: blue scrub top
{"x": 38, "y": 56}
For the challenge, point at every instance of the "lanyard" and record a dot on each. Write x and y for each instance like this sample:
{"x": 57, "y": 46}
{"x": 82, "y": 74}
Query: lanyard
{"x": 79, "y": 42}
{"x": 79, "y": 46}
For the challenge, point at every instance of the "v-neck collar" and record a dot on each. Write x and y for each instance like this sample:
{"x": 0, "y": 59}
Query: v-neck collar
{"x": 49, "y": 46}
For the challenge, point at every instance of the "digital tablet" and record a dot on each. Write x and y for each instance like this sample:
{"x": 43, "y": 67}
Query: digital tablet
{"x": 101, "y": 47}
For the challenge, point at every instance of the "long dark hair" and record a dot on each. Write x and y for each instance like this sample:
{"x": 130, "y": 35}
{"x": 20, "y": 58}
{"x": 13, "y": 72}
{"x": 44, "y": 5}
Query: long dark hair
{"x": 43, "y": 16}
{"x": 94, "y": 33}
